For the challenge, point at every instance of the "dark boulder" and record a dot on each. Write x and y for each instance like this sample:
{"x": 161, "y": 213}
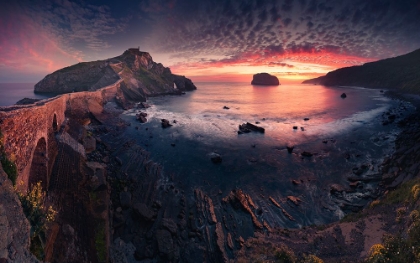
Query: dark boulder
{"x": 141, "y": 210}
{"x": 226, "y": 107}
{"x": 143, "y": 105}
{"x": 141, "y": 117}
{"x": 248, "y": 127}
{"x": 27, "y": 101}
{"x": 165, "y": 123}
{"x": 306, "y": 154}
{"x": 290, "y": 149}
{"x": 265, "y": 79}
{"x": 215, "y": 158}
{"x": 344, "y": 95}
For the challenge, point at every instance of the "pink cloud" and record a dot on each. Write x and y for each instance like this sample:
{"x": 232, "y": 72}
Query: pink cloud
{"x": 27, "y": 47}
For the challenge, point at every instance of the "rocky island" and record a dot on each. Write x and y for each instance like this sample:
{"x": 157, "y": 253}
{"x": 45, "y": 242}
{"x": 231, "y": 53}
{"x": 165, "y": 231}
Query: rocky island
{"x": 265, "y": 79}
{"x": 134, "y": 72}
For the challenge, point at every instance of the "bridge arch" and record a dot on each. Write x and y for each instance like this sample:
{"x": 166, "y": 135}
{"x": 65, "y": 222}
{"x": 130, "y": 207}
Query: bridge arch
{"x": 39, "y": 165}
{"x": 55, "y": 123}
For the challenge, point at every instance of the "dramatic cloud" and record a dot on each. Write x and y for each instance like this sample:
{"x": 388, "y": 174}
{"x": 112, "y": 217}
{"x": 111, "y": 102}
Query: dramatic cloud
{"x": 274, "y": 35}
{"x": 38, "y": 39}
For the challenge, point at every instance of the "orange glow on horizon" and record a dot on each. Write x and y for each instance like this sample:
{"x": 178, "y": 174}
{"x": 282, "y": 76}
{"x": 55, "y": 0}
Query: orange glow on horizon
{"x": 289, "y": 67}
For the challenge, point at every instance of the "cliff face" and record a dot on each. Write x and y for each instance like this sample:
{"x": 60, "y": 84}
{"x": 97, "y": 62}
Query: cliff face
{"x": 141, "y": 77}
{"x": 265, "y": 79}
{"x": 402, "y": 73}
{"x": 14, "y": 228}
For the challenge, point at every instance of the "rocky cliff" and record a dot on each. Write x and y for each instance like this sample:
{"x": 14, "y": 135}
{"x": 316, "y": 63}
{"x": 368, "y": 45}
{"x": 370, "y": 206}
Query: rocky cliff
{"x": 265, "y": 79}
{"x": 14, "y": 228}
{"x": 402, "y": 73}
{"x": 140, "y": 77}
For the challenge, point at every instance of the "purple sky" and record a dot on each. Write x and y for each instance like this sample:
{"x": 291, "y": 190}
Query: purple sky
{"x": 207, "y": 40}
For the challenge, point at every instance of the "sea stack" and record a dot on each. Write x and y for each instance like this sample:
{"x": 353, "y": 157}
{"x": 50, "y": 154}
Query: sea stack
{"x": 265, "y": 79}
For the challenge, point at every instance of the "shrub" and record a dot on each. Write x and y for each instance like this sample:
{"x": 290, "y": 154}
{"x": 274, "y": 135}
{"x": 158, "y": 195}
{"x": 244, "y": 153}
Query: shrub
{"x": 377, "y": 254}
{"x": 37, "y": 215}
{"x": 415, "y": 191}
{"x": 285, "y": 255}
{"x": 374, "y": 203}
{"x": 9, "y": 166}
{"x": 312, "y": 259}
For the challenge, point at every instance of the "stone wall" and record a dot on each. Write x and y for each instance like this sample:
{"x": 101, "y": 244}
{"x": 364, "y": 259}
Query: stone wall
{"x": 23, "y": 127}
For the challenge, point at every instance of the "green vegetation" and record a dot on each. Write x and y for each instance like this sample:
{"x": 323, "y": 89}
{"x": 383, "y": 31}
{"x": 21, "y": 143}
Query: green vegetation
{"x": 312, "y": 259}
{"x": 405, "y": 193}
{"x": 404, "y": 246}
{"x": 285, "y": 255}
{"x": 9, "y": 166}
{"x": 37, "y": 215}
{"x": 100, "y": 242}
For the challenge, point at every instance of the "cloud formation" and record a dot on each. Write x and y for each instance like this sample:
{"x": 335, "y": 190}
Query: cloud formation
{"x": 185, "y": 34}
{"x": 39, "y": 39}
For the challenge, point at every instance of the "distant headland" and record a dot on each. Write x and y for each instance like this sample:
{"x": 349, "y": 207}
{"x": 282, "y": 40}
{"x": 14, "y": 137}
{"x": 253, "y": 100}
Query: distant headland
{"x": 401, "y": 73}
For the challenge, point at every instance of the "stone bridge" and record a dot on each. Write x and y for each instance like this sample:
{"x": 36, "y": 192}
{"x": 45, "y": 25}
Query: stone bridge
{"x": 30, "y": 131}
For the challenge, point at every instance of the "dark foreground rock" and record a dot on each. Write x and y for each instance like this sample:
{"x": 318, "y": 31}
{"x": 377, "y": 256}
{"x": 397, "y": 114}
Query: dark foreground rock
{"x": 165, "y": 123}
{"x": 248, "y": 127}
{"x": 27, "y": 101}
{"x": 265, "y": 79}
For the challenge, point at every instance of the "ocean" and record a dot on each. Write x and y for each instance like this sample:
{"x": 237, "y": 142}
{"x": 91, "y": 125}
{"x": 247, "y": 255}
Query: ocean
{"x": 342, "y": 134}
{"x": 10, "y": 93}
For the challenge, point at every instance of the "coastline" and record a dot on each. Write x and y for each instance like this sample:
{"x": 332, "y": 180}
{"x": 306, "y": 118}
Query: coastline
{"x": 143, "y": 197}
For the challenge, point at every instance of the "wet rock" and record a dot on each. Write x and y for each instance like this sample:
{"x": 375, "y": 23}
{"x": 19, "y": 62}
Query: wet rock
{"x": 296, "y": 182}
{"x": 170, "y": 225}
{"x": 295, "y": 200}
{"x": 248, "y": 127}
{"x": 344, "y": 95}
{"x": 141, "y": 117}
{"x": 119, "y": 161}
{"x": 336, "y": 188}
{"x": 306, "y": 154}
{"x": 230, "y": 241}
{"x": 274, "y": 202}
{"x": 142, "y": 211}
{"x": 89, "y": 143}
{"x": 165, "y": 242}
{"x": 165, "y": 123}
{"x": 143, "y": 105}
{"x": 237, "y": 198}
{"x": 220, "y": 241}
{"x": 215, "y": 158}
{"x": 125, "y": 199}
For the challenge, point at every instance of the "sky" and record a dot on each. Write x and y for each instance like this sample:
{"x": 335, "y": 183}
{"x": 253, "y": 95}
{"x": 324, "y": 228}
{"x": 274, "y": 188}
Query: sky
{"x": 214, "y": 40}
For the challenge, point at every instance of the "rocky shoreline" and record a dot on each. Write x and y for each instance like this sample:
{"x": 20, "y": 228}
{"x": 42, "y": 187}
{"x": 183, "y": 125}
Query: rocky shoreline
{"x": 179, "y": 227}
{"x": 137, "y": 212}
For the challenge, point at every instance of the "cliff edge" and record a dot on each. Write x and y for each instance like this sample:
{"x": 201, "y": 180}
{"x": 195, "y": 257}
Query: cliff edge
{"x": 140, "y": 77}
{"x": 401, "y": 73}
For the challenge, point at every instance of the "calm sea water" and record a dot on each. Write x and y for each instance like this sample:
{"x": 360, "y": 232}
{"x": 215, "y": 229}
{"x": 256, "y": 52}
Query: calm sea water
{"x": 10, "y": 93}
{"x": 259, "y": 163}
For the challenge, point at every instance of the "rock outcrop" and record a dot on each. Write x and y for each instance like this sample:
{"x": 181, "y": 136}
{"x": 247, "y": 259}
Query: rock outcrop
{"x": 140, "y": 78}
{"x": 265, "y": 79}
{"x": 14, "y": 227}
